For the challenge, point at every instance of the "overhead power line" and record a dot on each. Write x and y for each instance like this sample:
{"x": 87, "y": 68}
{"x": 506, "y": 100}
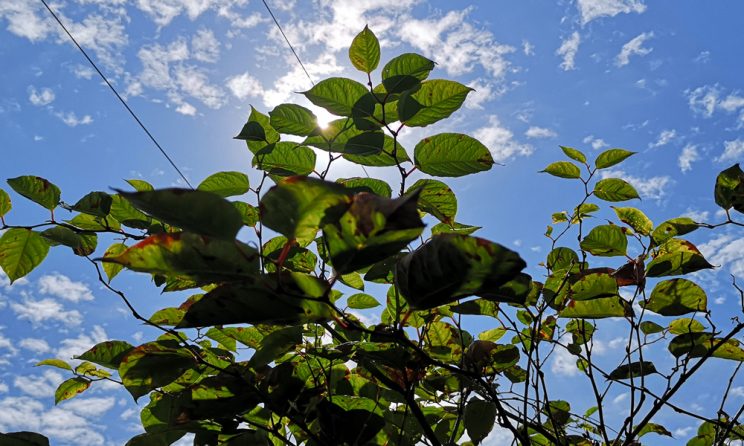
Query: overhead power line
{"x": 288, "y": 42}
{"x": 118, "y": 96}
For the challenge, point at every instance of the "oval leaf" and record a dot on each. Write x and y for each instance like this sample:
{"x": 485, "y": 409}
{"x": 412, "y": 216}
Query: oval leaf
{"x": 437, "y": 199}
{"x": 563, "y": 169}
{"x": 21, "y": 250}
{"x": 451, "y": 155}
{"x": 361, "y": 301}
{"x": 70, "y": 388}
{"x": 610, "y": 157}
{"x": 605, "y": 241}
{"x": 614, "y": 189}
{"x": 433, "y": 101}
{"x": 676, "y": 297}
{"x": 293, "y": 119}
{"x": 636, "y": 219}
{"x": 226, "y": 184}
{"x": 338, "y": 95}
{"x": 36, "y": 189}
{"x": 364, "y": 52}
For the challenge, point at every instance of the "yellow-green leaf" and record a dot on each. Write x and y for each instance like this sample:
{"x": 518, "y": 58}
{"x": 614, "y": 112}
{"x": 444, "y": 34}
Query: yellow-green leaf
{"x": 21, "y": 250}
{"x": 70, "y": 388}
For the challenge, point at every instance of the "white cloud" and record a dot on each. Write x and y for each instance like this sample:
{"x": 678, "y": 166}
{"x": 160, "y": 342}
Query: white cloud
{"x": 39, "y": 386}
{"x": 243, "y": 86}
{"x": 20, "y": 413}
{"x": 35, "y": 345}
{"x": 42, "y": 97}
{"x": 194, "y": 82}
{"x": 539, "y": 132}
{"x": 71, "y": 119}
{"x": 733, "y": 151}
{"x": 732, "y": 103}
{"x": 634, "y": 47}
{"x": 83, "y": 72}
{"x": 737, "y": 391}
{"x": 162, "y": 12}
{"x": 727, "y": 251}
{"x": 205, "y": 46}
{"x": 698, "y": 216}
{"x": 295, "y": 80}
{"x": 76, "y": 346}
{"x": 5, "y": 281}
{"x": 651, "y": 187}
{"x": 456, "y": 44}
{"x": 597, "y": 143}
{"x": 665, "y": 137}
{"x": 527, "y": 48}
{"x": 593, "y": 9}
{"x": 484, "y": 91}
{"x": 687, "y": 157}
{"x": 500, "y": 141}
{"x": 563, "y": 363}
{"x": 93, "y": 407}
{"x": 44, "y": 310}
{"x": 61, "y": 286}
{"x": 568, "y": 49}
{"x": 186, "y": 109}
{"x": 7, "y": 344}
{"x": 703, "y": 100}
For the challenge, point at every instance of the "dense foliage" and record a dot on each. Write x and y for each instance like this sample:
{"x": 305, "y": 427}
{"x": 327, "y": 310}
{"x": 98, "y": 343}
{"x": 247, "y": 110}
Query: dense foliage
{"x": 269, "y": 349}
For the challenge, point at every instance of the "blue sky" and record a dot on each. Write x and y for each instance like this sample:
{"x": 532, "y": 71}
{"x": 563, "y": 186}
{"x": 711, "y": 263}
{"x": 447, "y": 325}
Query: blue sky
{"x": 660, "y": 78}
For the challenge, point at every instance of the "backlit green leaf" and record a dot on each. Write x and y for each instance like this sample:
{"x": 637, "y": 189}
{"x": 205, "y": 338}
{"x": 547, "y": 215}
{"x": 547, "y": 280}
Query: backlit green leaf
{"x": 696, "y": 345}
{"x": 364, "y": 51}
{"x": 60, "y": 364}
{"x": 596, "y": 308}
{"x": 182, "y": 253}
{"x": 21, "y": 250}
{"x": 610, "y": 157}
{"x": 94, "y": 203}
{"x": 81, "y": 243}
{"x": 648, "y": 327}
{"x": 361, "y": 301}
{"x": 338, "y": 95}
{"x": 71, "y": 388}
{"x": 653, "y": 428}
{"x": 614, "y": 189}
{"x": 605, "y": 241}
{"x": 635, "y": 218}
{"x": 298, "y": 206}
{"x": 633, "y": 370}
{"x": 193, "y": 210}
{"x": 672, "y": 228}
{"x": 107, "y": 354}
{"x": 408, "y": 64}
{"x": 36, "y": 189}
{"x": 153, "y": 365}
{"x": 226, "y": 184}
{"x": 574, "y": 154}
{"x": 371, "y": 185}
{"x": 433, "y": 101}
{"x": 437, "y": 199}
{"x": 676, "y": 297}
{"x": 248, "y": 213}
{"x": 451, "y": 266}
{"x": 685, "y": 325}
{"x": 676, "y": 257}
{"x": 454, "y": 227}
{"x": 593, "y": 286}
{"x": 480, "y": 417}
{"x": 5, "y": 204}
{"x": 562, "y": 258}
{"x": 285, "y": 159}
{"x": 293, "y": 119}
{"x": 451, "y": 155}
{"x": 258, "y": 132}
{"x": 563, "y": 169}
{"x": 729, "y": 190}
{"x": 113, "y": 269}
{"x": 122, "y": 211}
{"x": 140, "y": 185}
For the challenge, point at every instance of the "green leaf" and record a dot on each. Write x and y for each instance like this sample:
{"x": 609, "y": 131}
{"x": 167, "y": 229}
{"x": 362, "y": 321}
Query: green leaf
{"x": 676, "y": 257}
{"x": 614, "y": 189}
{"x": 107, "y": 354}
{"x": 562, "y": 258}
{"x": 123, "y": 211}
{"x": 729, "y": 190}
{"x": 563, "y": 169}
{"x": 193, "y": 210}
{"x": 88, "y": 222}
{"x": 60, "y": 364}
{"x": 653, "y": 428}
{"x": 676, "y": 297}
{"x": 408, "y": 64}
{"x": 685, "y": 325}
{"x": 23, "y": 439}
{"x": 248, "y": 213}
{"x": 648, "y": 327}
{"x": 226, "y": 184}
{"x": 113, "y": 269}
{"x": 140, "y": 185}
{"x": 292, "y": 298}
{"x": 451, "y": 266}
{"x": 696, "y": 345}
{"x": 635, "y": 218}
{"x": 153, "y": 365}
{"x": 451, "y": 155}
{"x": 364, "y": 52}
{"x": 296, "y": 258}
{"x": 285, "y": 159}
{"x": 493, "y": 334}
{"x": 258, "y": 132}
{"x": 276, "y": 344}
{"x": 21, "y": 250}
{"x": 605, "y": 241}
{"x": 453, "y": 228}
{"x": 610, "y": 157}
{"x": 433, "y": 101}
{"x": 371, "y": 185}
{"x": 82, "y": 243}
{"x": 36, "y": 189}
{"x": 574, "y": 154}
{"x": 558, "y": 412}
{"x": 298, "y": 206}
{"x": 182, "y": 253}
{"x": 480, "y": 417}
{"x": 338, "y": 95}
{"x": 593, "y": 286}
{"x": 352, "y": 280}
{"x": 437, "y": 199}
{"x": 632, "y": 370}
{"x": 5, "y": 204}
{"x": 293, "y": 119}
{"x": 362, "y": 301}
{"x": 583, "y": 211}
{"x": 70, "y": 388}
{"x": 672, "y": 228}
{"x": 392, "y": 154}
{"x": 596, "y": 309}
{"x": 372, "y": 229}
{"x": 94, "y": 203}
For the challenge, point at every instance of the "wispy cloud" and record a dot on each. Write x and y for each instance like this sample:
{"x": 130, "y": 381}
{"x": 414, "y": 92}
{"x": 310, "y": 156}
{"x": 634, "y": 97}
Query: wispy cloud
{"x": 40, "y": 98}
{"x": 634, "y": 47}
{"x": 687, "y": 157}
{"x": 500, "y": 141}
{"x": 540, "y": 132}
{"x": 61, "y": 286}
{"x": 732, "y": 151}
{"x": 665, "y": 137}
{"x": 654, "y": 188}
{"x": 594, "y": 9}
{"x": 568, "y": 49}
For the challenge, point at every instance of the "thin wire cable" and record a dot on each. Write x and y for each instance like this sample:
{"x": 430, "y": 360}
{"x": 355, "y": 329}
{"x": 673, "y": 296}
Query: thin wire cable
{"x": 118, "y": 96}
{"x": 288, "y": 43}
